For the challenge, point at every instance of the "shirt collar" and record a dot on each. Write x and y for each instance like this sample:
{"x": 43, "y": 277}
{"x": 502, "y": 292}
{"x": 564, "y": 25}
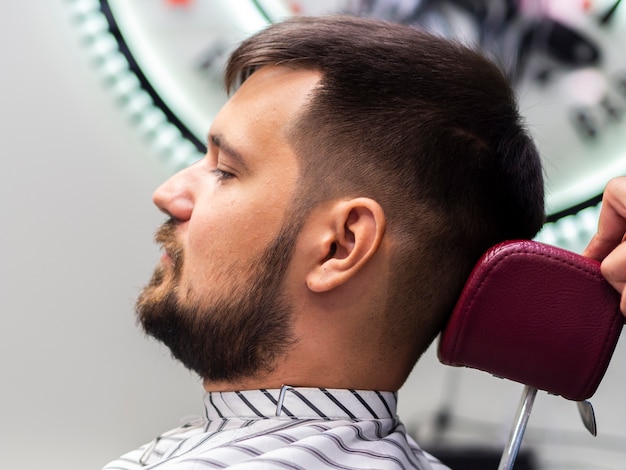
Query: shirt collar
{"x": 301, "y": 403}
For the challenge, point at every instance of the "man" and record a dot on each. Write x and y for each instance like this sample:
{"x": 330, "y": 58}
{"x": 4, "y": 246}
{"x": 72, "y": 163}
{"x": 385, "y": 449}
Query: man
{"x": 351, "y": 182}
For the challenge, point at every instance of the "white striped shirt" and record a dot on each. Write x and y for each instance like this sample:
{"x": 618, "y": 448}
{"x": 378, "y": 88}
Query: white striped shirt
{"x": 290, "y": 428}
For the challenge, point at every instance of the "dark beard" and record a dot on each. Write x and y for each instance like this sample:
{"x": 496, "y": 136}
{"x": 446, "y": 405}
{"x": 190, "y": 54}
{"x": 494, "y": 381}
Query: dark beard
{"x": 239, "y": 335}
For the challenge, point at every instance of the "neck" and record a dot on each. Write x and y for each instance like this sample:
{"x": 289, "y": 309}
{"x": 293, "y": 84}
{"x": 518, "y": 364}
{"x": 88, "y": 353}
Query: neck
{"x": 332, "y": 356}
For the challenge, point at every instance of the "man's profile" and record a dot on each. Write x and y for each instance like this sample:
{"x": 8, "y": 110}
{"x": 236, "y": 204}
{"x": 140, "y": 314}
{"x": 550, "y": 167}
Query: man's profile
{"x": 355, "y": 175}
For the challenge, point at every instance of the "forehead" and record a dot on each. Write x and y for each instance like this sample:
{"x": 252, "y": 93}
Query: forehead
{"x": 258, "y": 115}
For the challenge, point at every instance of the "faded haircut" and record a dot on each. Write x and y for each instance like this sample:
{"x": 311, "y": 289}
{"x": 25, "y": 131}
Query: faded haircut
{"x": 429, "y": 129}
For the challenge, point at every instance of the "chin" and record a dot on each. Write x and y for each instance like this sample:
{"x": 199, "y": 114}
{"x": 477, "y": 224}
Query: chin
{"x": 155, "y": 291}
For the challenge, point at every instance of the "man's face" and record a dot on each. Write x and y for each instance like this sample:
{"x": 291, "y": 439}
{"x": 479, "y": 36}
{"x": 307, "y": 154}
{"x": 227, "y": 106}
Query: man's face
{"x": 215, "y": 298}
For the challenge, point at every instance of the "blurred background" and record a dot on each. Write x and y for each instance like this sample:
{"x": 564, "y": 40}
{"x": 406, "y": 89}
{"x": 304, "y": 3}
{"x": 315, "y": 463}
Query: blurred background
{"x": 101, "y": 100}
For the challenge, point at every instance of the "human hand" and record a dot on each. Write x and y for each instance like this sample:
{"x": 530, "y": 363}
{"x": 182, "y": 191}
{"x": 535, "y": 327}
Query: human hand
{"x": 607, "y": 244}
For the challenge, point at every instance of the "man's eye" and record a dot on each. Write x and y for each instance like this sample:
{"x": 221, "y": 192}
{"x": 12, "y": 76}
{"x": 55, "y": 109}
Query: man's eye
{"x": 222, "y": 175}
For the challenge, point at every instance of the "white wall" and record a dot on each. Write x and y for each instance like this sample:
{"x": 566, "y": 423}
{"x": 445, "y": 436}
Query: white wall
{"x": 79, "y": 383}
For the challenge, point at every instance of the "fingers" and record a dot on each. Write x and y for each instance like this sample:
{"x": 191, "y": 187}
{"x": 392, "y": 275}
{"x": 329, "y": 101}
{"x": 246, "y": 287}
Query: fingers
{"x": 607, "y": 244}
{"x": 614, "y": 270}
{"x": 612, "y": 222}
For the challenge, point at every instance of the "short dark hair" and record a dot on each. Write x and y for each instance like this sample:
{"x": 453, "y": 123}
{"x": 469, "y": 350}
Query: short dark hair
{"x": 427, "y": 127}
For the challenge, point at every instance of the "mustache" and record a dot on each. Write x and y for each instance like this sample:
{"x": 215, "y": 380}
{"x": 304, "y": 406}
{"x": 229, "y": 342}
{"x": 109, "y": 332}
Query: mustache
{"x": 166, "y": 238}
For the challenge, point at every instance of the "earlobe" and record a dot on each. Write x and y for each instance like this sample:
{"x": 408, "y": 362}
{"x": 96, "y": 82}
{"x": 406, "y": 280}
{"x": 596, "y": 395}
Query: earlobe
{"x": 355, "y": 230}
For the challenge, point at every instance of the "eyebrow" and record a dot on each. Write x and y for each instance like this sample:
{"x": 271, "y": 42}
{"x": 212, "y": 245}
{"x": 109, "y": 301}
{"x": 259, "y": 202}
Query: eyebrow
{"x": 220, "y": 142}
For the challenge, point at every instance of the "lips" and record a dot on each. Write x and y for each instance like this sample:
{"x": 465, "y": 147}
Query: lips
{"x": 166, "y": 238}
{"x": 166, "y": 258}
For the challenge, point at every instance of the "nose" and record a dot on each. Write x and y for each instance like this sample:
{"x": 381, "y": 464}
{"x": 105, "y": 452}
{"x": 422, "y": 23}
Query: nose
{"x": 175, "y": 196}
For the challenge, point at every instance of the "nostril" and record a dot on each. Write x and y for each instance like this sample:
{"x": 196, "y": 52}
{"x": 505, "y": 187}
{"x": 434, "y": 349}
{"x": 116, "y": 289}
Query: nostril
{"x": 175, "y": 197}
{"x": 177, "y": 208}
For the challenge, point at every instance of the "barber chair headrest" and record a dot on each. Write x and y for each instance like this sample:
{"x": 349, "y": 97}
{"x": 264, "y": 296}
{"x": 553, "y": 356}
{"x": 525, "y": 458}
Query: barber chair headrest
{"x": 538, "y": 315}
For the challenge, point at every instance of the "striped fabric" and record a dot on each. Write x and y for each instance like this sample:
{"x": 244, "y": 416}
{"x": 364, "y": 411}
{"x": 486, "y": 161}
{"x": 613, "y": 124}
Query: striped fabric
{"x": 290, "y": 428}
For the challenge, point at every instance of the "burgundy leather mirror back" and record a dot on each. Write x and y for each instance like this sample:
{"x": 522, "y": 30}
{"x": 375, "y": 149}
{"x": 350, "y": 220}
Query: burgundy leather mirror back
{"x": 538, "y": 315}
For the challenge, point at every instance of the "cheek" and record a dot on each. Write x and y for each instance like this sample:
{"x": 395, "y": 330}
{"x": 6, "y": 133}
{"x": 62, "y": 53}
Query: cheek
{"x": 205, "y": 247}
{"x": 213, "y": 248}
{"x": 234, "y": 228}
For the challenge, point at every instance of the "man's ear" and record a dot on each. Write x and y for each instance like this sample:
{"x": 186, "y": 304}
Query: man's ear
{"x": 350, "y": 235}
